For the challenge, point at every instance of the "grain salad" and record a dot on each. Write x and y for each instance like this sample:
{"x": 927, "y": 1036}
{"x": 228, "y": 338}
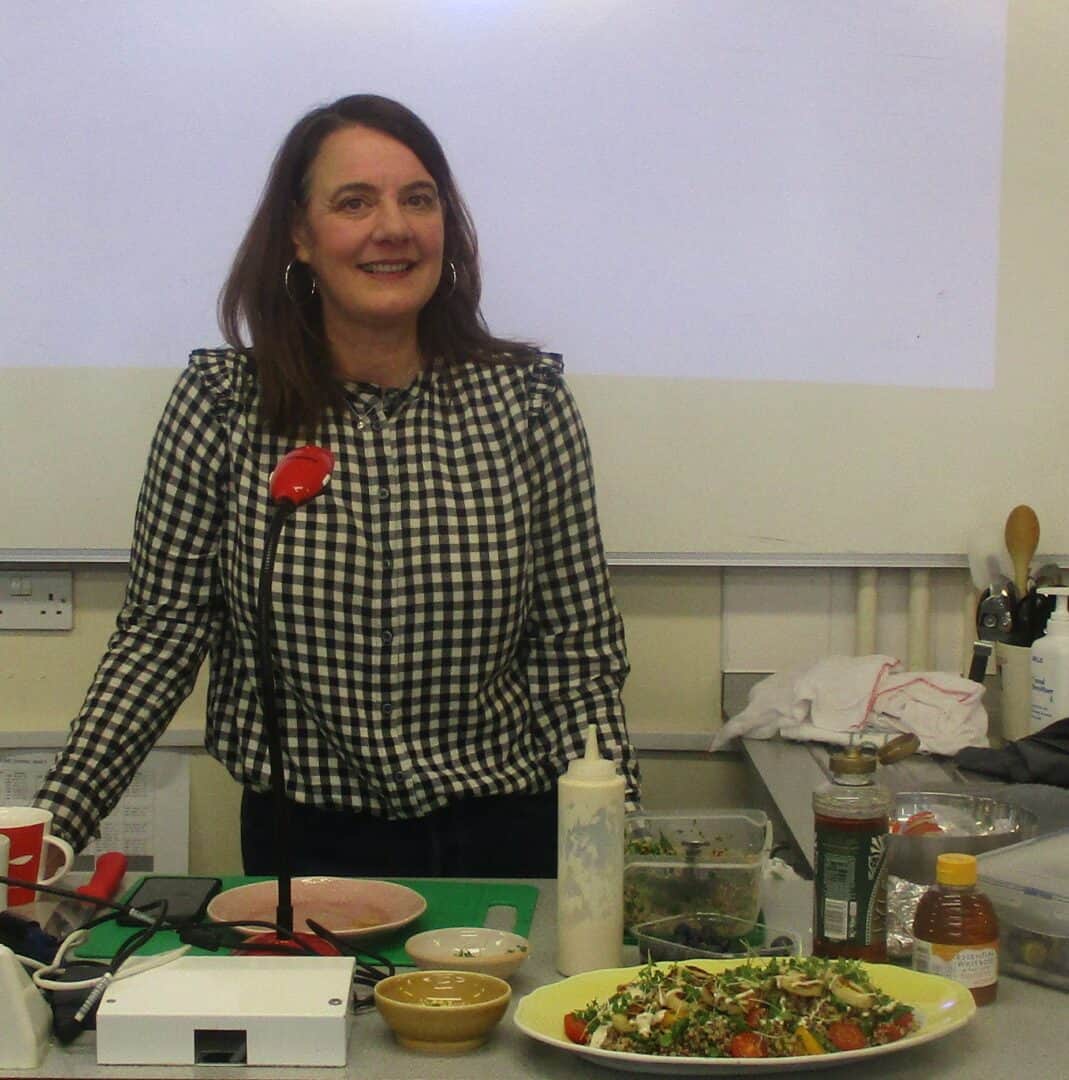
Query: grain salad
{"x": 783, "y": 1008}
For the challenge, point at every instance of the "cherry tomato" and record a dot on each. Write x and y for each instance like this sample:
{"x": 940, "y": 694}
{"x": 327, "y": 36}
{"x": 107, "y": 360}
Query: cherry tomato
{"x": 903, "y": 1020}
{"x": 846, "y": 1035}
{"x": 923, "y": 828}
{"x": 574, "y": 1028}
{"x": 920, "y": 823}
{"x": 747, "y": 1044}
{"x": 900, "y": 1024}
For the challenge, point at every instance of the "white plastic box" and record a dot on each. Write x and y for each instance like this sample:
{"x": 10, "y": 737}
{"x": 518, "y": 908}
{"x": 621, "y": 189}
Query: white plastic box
{"x": 229, "y": 1010}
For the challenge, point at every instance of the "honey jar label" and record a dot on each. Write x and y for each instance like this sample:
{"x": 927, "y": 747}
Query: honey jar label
{"x": 971, "y": 965}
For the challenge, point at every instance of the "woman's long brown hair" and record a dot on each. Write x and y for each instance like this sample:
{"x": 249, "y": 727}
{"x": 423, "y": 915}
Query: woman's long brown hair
{"x": 283, "y": 335}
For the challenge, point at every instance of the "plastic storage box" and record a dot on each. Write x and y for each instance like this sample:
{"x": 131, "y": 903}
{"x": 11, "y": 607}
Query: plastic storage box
{"x": 708, "y": 862}
{"x": 703, "y": 935}
{"x": 1029, "y": 885}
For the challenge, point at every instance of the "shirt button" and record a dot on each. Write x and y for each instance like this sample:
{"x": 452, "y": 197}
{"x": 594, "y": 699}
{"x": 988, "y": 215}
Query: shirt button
{"x": 387, "y": 708}
{"x": 387, "y": 564}
{"x": 384, "y": 492}
{"x": 387, "y": 637}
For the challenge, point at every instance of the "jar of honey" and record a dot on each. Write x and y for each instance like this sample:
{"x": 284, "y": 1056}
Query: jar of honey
{"x": 956, "y": 929}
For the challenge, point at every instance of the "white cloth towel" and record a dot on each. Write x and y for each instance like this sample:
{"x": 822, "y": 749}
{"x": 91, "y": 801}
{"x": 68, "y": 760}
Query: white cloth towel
{"x": 841, "y": 697}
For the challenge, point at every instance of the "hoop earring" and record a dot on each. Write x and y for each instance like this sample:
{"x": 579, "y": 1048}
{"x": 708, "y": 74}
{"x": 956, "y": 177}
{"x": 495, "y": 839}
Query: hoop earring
{"x": 453, "y": 283}
{"x": 287, "y": 282}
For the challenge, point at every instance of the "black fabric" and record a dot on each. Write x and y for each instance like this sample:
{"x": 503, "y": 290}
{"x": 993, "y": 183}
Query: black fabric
{"x": 499, "y": 836}
{"x": 1041, "y": 758}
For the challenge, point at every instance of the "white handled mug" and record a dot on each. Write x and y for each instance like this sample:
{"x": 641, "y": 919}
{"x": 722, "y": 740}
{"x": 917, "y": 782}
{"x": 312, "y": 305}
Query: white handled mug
{"x": 28, "y": 830}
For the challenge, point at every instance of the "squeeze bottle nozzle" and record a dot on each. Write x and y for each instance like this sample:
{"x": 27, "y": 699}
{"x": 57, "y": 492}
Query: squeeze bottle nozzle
{"x": 591, "y": 766}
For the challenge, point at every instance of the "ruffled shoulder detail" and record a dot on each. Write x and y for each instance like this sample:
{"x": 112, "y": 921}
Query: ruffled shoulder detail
{"x": 228, "y": 375}
{"x": 544, "y": 375}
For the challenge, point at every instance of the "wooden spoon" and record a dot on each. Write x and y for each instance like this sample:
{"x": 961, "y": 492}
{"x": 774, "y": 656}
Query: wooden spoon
{"x": 1022, "y": 539}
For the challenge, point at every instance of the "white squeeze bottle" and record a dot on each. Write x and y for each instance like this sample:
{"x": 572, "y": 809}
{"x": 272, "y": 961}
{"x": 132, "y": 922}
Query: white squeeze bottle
{"x": 590, "y": 863}
{"x": 1050, "y": 665}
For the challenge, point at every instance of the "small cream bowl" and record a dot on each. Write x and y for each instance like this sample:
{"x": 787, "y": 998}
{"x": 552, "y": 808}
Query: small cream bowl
{"x": 468, "y": 948}
{"x": 442, "y": 1012}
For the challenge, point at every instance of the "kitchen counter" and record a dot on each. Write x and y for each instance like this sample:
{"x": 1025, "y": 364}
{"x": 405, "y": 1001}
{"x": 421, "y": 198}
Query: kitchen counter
{"x": 1017, "y": 1035}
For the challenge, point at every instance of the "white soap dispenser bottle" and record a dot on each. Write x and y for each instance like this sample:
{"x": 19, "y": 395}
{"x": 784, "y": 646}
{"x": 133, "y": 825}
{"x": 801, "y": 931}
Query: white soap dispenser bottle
{"x": 590, "y": 863}
{"x": 1050, "y": 664}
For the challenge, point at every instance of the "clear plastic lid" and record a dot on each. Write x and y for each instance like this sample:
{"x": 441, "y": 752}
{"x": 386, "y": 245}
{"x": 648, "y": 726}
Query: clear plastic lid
{"x": 1036, "y": 868}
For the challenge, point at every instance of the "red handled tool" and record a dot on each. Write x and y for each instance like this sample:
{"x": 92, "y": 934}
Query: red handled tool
{"x": 70, "y": 914}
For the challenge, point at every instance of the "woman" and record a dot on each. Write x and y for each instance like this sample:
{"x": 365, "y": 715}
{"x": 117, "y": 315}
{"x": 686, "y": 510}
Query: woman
{"x": 444, "y": 628}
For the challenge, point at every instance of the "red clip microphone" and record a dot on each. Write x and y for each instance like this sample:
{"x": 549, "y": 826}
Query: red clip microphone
{"x": 301, "y": 475}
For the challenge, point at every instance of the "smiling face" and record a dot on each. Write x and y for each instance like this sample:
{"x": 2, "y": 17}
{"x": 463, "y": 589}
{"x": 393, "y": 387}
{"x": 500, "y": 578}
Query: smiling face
{"x": 372, "y": 232}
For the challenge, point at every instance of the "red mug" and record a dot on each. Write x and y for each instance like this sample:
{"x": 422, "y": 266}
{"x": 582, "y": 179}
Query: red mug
{"x": 28, "y": 830}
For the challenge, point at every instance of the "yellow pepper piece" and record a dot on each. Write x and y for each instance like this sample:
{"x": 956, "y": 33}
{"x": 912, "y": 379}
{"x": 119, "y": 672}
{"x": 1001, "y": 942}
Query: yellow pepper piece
{"x": 807, "y": 1042}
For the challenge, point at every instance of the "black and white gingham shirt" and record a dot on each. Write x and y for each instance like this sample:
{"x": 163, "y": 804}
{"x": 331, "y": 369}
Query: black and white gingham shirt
{"x": 443, "y": 616}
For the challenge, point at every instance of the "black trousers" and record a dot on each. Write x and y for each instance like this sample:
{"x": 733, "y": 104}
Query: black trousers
{"x": 496, "y": 836}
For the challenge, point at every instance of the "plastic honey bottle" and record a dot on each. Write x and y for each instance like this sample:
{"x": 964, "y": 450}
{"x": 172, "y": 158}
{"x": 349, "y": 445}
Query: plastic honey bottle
{"x": 955, "y": 929}
{"x": 850, "y": 864}
{"x": 590, "y": 863}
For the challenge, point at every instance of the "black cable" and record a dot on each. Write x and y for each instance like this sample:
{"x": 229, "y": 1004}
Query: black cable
{"x": 201, "y": 935}
{"x": 364, "y": 974}
{"x": 214, "y": 936}
{"x": 69, "y": 894}
{"x": 140, "y": 937}
{"x": 86, "y": 1013}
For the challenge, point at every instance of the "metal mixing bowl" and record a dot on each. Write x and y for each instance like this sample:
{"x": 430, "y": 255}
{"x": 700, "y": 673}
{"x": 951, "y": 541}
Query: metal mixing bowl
{"x": 980, "y": 823}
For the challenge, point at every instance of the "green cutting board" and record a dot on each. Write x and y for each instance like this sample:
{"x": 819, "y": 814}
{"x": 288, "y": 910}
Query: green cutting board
{"x": 449, "y": 903}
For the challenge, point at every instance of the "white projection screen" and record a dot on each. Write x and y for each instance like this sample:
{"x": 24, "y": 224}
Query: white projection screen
{"x": 801, "y": 258}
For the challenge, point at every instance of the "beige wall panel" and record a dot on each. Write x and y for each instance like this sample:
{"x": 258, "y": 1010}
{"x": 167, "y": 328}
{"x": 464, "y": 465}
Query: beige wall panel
{"x": 892, "y": 603}
{"x": 757, "y": 636}
{"x": 842, "y": 610}
{"x": 44, "y": 674}
{"x": 214, "y": 810}
{"x": 947, "y": 629}
{"x": 672, "y": 617}
{"x": 945, "y": 616}
{"x": 691, "y": 781}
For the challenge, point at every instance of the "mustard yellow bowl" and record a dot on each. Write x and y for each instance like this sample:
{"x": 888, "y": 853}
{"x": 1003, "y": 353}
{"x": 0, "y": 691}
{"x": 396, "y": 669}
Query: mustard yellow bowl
{"x": 442, "y": 1011}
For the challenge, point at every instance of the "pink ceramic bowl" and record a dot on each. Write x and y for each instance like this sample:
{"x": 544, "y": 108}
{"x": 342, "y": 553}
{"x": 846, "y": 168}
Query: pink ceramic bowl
{"x": 350, "y": 907}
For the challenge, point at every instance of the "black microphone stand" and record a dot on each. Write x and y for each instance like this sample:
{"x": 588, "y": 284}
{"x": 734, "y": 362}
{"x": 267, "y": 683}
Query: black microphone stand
{"x": 266, "y": 678}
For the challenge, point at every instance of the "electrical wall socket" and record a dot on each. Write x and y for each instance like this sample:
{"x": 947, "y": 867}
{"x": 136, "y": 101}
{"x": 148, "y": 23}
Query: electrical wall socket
{"x": 36, "y": 600}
